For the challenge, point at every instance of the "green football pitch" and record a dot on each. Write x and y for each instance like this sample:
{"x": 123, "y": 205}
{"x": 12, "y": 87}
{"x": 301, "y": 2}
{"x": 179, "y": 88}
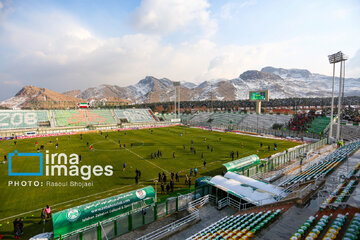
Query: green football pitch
{"x": 26, "y": 201}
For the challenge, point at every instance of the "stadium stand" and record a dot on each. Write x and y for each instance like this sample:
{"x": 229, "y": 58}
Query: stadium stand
{"x": 100, "y": 117}
{"x": 200, "y": 118}
{"x": 264, "y": 121}
{"x": 238, "y": 226}
{"x": 185, "y": 117}
{"x": 304, "y": 227}
{"x": 353, "y": 231}
{"x": 301, "y": 122}
{"x": 348, "y": 132}
{"x": 70, "y": 118}
{"x": 319, "y": 124}
{"x": 226, "y": 118}
{"x": 135, "y": 115}
{"x": 255, "y": 121}
{"x": 10, "y": 119}
{"x": 325, "y": 166}
{"x": 166, "y": 116}
{"x": 330, "y": 225}
{"x": 345, "y": 187}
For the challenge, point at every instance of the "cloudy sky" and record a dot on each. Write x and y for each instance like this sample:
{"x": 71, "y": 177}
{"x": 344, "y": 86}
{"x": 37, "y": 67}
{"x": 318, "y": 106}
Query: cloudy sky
{"x": 75, "y": 44}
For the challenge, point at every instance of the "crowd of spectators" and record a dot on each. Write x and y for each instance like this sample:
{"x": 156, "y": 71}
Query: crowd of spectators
{"x": 302, "y": 121}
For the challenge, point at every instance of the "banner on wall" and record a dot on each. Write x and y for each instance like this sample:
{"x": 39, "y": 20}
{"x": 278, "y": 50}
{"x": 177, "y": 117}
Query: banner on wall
{"x": 82, "y": 216}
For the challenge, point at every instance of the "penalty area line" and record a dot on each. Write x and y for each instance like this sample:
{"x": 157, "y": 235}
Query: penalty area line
{"x": 143, "y": 158}
{"x": 148, "y": 161}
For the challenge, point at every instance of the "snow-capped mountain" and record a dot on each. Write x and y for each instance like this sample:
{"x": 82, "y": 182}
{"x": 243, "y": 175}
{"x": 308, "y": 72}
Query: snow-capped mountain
{"x": 282, "y": 83}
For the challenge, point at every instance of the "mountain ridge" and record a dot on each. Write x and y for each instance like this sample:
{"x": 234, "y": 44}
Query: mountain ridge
{"x": 282, "y": 83}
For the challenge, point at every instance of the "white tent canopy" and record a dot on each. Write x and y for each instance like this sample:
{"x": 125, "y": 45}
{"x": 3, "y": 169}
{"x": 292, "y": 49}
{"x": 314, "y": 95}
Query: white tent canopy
{"x": 275, "y": 190}
{"x": 249, "y": 194}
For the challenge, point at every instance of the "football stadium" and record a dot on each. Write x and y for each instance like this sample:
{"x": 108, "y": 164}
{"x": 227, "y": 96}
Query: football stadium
{"x": 131, "y": 173}
{"x": 244, "y": 123}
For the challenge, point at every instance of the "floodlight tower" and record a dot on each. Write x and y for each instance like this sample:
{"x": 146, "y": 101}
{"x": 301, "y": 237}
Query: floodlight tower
{"x": 177, "y": 98}
{"x": 338, "y": 57}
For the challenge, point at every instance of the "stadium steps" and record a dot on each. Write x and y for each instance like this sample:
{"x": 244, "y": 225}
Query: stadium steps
{"x": 287, "y": 224}
{"x": 52, "y": 118}
{"x": 115, "y": 116}
{"x": 151, "y": 113}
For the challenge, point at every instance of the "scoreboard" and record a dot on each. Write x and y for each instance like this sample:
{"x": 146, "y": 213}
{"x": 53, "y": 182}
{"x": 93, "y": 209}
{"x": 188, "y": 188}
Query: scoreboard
{"x": 259, "y": 95}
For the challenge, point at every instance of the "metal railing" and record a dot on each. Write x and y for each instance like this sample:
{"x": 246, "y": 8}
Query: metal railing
{"x": 222, "y": 203}
{"x": 198, "y": 203}
{"x": 163, "y": 231}
{"x": 174, "y": 226}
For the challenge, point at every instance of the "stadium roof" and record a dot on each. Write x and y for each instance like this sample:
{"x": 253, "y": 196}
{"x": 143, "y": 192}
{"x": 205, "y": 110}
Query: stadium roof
{"x": 274, "y": 190}
{"x": 248, "y": 193}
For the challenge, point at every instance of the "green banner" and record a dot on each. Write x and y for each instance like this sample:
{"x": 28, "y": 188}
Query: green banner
{"x": 242, "y": 162}
{"x": 79, "y": 217}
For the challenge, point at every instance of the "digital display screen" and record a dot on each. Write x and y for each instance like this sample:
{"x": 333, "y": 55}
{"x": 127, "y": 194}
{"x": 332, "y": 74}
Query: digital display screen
{"x": 257, "y": 96}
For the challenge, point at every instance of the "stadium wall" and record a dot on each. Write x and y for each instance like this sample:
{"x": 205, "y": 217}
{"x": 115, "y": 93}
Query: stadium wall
{"x": 46, "y": 132}
{"x": 132, "y": 220}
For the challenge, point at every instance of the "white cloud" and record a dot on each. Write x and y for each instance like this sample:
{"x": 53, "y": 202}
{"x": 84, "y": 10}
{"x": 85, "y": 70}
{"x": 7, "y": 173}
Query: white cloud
{"x": 167, "y": 16}
{"x": 232, "y": 9}
{"x": 56, "y": 51}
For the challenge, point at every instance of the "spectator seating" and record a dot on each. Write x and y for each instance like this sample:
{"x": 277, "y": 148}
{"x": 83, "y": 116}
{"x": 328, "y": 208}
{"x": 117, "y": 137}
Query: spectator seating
{"x": 313, "y": 229}
{"x": 14, "y": 119}
{"x": 135, "y": 115}
{"x": 254, "y": 121}
{"x": 319, "y": 124}
{"x": 345, "y": 192}
{"x": 185, "y": 117}
{"x": 353, "y": 230}
{"x": 344, "y": 188}
{"x": 238, "y": 226}
{"x": 348, "y": 132}
{"x": 264, "y": 121}
{"x": 303, "y": 228}
{"x": 336, "y": 226}
{"x": 100, "y": 117}
{"x": 200, "y": 118}
{"x": 167, "y": 116}
{"x": 325, "y": 166}
{"x": 70, "y": 117}
{"x": 332, "y": 195}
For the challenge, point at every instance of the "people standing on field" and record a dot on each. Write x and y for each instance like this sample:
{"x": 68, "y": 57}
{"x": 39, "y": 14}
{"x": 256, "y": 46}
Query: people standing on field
{"x": 48, "y": 211}
{"x": 162, "y": 188}
{"x": 43, "y": 216}
{"x": 21, "y": 226}
{"x": 136, "y": 179}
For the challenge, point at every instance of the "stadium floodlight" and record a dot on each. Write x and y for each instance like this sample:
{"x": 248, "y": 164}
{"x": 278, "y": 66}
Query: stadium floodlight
{"x": 177, "y": 98}
{"x": 337, "y": 57}
{"x": 333, "y": 59}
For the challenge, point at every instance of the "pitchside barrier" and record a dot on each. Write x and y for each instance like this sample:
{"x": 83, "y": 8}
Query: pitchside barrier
{"x": 277, "y": 133}
{"x": 126, "y": 222}
{"x": 282, "y": 158}
{"x": 43, "y": 132}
